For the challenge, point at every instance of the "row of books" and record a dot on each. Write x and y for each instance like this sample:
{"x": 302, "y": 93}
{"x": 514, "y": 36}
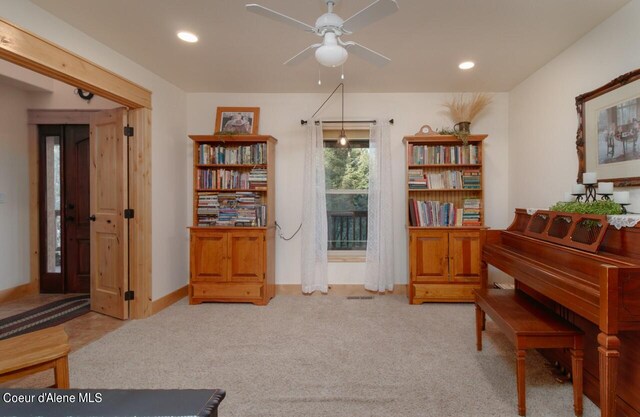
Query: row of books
{"x": 444, "y": 180}
{"x": 225, "y": 179}
{"x": 439, "y": 154}
{"x": 439, "y": 214}
{"x": 222, "y": 154}
{"x": 471, "y": 214}
{"x": 242, "y": 208}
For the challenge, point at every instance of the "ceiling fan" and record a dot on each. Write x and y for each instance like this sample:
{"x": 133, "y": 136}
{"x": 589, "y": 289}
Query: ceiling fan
{"x": 332, "y": 52}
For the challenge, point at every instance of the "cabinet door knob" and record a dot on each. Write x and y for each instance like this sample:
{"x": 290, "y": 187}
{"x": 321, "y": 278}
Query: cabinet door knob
{"x": 92, "y": 218}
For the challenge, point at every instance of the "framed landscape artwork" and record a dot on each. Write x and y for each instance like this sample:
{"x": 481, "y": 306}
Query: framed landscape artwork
{"x": 608, "y": 138}
{"x": 237, "y": 120}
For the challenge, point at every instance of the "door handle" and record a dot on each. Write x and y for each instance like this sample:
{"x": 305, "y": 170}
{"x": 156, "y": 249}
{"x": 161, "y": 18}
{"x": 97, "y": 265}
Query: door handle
{"x": 92, "y": 218}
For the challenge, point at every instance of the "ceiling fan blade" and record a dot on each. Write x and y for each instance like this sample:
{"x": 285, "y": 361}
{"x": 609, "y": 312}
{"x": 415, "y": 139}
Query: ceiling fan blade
{"x": 302, "y": 55}
{"x": 367, "y": 54}
{"x": 375, "y": 11}
{"x": 272, "y": 14}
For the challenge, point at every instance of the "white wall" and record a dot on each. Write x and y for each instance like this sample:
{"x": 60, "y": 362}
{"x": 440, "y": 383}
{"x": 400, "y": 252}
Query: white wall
{"x": 280, "y": 116}
{"x": 14, "y": 184}
{"x": 542, "y": 118}
{"x": 169, "y": 212}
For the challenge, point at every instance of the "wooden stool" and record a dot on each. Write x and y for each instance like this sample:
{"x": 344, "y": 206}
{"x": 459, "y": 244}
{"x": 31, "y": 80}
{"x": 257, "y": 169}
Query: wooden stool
{"x": 530, "y": 325}
{"x": 35, "y": 352}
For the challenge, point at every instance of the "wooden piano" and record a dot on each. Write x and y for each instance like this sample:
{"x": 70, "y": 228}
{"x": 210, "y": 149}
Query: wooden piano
{"x": 598, "y": 292}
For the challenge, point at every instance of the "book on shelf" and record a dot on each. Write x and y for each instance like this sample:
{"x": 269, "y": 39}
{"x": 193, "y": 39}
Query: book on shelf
{"x": 443, "y": 154}
{"x": 444, "y": 180}
{"x": 258, "y": 178}
{"x": 240, "y": 208}
{"x": 237, "y": 155}
{"x": 471, "y": 212}
{"x": 431, "y": 213}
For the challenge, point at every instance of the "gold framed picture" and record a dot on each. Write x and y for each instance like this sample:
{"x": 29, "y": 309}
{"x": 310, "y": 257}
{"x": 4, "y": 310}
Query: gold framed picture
{"x": 237, "y": 120}
{"x": 609, "y": 131}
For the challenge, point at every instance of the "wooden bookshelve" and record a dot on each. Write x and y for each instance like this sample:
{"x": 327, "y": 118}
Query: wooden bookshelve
{"x": 445, "y": 256}
{"x": 232, "y": 249}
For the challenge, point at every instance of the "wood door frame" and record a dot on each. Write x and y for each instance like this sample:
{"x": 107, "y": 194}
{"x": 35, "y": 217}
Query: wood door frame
{"x": 33, "y": 52}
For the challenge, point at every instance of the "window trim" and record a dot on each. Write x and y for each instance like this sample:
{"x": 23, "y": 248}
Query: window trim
{"x": 354, "y": 256}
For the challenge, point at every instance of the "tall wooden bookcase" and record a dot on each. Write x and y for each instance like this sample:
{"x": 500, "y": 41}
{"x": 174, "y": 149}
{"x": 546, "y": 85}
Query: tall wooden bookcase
{"x": 232, "y": 248}
{"x": 444, "y": 176}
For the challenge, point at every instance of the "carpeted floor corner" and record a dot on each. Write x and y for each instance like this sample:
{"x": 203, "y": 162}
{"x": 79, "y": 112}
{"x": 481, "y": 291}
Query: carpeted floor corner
{"x": 325, "y": 356}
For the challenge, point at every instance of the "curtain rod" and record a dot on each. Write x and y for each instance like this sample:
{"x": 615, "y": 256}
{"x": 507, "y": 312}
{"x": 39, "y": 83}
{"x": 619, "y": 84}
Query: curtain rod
{"x": 304, "y": 122}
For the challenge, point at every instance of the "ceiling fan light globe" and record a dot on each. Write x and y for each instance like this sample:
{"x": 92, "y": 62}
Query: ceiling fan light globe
{"x": 331, "y": 55}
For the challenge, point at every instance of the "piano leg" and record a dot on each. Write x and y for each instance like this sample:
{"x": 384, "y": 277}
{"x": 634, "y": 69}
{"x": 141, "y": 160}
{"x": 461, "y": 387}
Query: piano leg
{"x": 609, "y": 355}
{"x": 576, "y": 372}
{"x": 480, "y": 317}
{"x": 520, "y": 367}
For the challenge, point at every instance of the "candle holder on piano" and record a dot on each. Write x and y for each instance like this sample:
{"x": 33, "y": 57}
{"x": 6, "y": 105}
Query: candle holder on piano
{"x": 590, "y": 193}
{"x": 624, "y": 209}
{"x": 604, "y": 196}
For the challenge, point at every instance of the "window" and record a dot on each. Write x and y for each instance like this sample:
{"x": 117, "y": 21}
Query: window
{"x": 347, "y": 184}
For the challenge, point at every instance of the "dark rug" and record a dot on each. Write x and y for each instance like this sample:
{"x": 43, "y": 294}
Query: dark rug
{"x": 44, "y": 316}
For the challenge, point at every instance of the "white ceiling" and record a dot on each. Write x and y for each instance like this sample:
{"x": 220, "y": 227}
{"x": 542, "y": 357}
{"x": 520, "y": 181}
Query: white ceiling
{"x": 426, "y": 39}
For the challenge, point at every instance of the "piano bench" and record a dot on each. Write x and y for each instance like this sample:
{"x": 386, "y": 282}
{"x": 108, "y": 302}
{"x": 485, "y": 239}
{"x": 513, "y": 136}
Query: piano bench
{"x": 529, "y": 325}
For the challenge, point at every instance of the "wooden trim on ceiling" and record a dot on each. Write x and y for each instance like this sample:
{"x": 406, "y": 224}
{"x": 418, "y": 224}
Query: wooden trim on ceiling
{"x": 35, "y": 53}
{"x": 171, "y": 298}
{"x": 59, "y": 117}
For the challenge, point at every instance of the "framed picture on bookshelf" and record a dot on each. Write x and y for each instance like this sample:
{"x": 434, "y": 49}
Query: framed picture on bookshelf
{"x": 608, "y": 139}
{"x": 237, "y": 120}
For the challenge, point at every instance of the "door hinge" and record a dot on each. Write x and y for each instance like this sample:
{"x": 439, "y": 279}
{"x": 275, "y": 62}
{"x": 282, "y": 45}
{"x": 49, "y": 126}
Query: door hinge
{"x": 128, "y": 295}
{"x": 128, "y": 213}
{"x": 128, "y": 131}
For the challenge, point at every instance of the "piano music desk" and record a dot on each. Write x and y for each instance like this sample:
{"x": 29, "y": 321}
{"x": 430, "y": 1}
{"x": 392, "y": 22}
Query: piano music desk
{"x": 530, "y": 325}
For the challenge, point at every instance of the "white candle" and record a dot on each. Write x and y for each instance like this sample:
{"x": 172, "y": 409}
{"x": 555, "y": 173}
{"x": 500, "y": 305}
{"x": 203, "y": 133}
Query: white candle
{"x": 621, "y": 197}
{"x": 605, "y": 188}
{"x": 568, "y": 197}
{"x": 589, "y": 178}
{"x": 577, "y": 189}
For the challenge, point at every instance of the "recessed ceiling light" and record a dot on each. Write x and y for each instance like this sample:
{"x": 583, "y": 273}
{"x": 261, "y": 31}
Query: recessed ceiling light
{"x": 466, "y": 65}
{"x": 188, "y": 37}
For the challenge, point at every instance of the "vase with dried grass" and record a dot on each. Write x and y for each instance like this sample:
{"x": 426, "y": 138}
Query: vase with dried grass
{"x": 463, "y": 110}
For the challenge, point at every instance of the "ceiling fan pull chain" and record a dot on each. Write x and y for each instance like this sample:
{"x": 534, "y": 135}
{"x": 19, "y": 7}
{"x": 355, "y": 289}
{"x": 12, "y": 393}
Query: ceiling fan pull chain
{"x": 319, "y": 79}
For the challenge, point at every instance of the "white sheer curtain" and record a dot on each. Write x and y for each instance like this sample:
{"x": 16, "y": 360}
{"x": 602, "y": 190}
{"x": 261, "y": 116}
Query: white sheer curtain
{"x": 379, "y": 274}
{"x": 314, "y": 217}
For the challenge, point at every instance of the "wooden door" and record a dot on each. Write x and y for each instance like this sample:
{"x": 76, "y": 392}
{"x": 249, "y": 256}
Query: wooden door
{"x": 464, "y": 253}
{"x": 246, "y": 256}
{"x": 76, "y": 209}
{"x": 109, "y": 238}
{"x": 208, "y": 256}
{"x": 429, "y": 255}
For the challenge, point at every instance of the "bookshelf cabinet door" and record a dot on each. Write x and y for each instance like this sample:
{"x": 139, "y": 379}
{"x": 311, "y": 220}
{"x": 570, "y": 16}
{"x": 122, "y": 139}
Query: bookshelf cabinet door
{"x": 429, "y": 256}
{"x": 246, "y": 256}
{"x": 464, "y": 256}
{"x": 209, "y": 256}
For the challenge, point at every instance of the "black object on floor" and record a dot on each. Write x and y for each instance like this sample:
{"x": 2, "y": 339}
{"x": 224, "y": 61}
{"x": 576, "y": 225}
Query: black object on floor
{"x": 47, "y": 315}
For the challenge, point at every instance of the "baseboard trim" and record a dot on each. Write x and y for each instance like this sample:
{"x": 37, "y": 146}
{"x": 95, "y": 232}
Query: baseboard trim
{"x": 173, "y": 297}
{"x": 20, "y": 291}
{"x": 341, "y": 290}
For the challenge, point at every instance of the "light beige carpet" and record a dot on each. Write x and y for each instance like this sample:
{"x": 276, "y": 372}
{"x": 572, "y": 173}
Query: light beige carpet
{"x": 325, "y": 356}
